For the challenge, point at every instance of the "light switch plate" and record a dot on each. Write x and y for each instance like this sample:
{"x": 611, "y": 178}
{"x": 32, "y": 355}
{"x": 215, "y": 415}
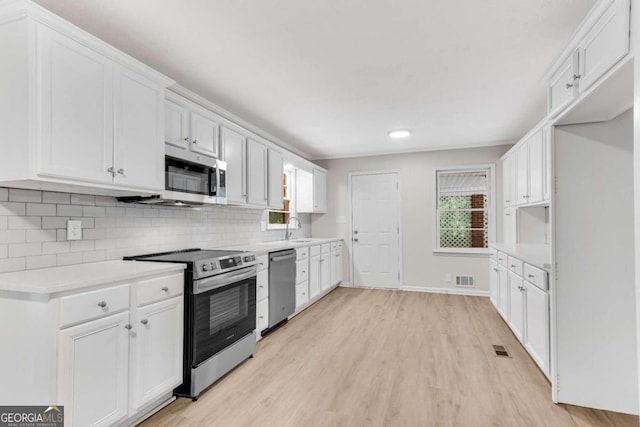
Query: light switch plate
{"x": 74, "y": 230}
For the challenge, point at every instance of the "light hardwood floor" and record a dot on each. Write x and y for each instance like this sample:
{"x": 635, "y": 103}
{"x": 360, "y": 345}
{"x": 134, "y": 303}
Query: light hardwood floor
{"x": 386, "y": 358}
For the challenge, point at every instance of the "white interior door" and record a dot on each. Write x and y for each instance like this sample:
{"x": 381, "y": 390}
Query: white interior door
{"x": 376, "y": 230}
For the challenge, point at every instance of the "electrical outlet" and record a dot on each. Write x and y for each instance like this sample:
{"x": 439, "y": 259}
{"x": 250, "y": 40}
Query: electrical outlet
{"x": 74, "y": 230}
{"x": 447, "y": 277}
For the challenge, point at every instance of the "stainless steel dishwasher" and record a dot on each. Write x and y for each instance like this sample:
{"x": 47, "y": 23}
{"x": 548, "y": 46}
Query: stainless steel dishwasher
{"x": 282, "y": 285}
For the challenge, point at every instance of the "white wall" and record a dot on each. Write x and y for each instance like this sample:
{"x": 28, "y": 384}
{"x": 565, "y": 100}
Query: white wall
{"x": 421, "y": 268}
{"x": 33, "y": 233}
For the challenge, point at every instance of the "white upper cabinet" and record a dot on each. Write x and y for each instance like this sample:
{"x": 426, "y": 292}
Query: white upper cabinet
{"x": 176, "y": 127}
{"x": 530, "y": 171}
{"x": 605, "y": 44}
{"x": 204, "y": 134}
{"x": 276, "y": 200}
{"x": 535, "y": 146}
{"x": 77, "y": 111}
{"x": 562, "y": 86}
{"x": 75, "y": 85}
{"x": 521, "y": 158}
{"x": 319, "y": 191}
{"x": 233, "y": 146}
{"x": 311, "y": 191}
{"x": 256, "y": 173}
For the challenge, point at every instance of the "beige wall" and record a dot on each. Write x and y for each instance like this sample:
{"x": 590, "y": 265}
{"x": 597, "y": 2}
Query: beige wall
{"x": 421, "y": 267}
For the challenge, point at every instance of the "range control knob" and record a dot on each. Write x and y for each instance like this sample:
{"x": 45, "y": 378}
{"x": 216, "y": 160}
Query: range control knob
{"x": 247, "y": 259}
{"x": 205, "y": 267}
{"x": 213, "y": 266}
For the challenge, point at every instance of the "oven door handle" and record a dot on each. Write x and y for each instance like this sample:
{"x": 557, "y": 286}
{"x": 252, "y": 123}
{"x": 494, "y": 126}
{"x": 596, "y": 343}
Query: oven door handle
{"x": 221, "y": 280}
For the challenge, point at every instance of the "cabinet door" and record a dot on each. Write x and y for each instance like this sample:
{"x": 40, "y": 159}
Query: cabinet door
{"x": 233, "y": 146}
{"x": 535, "y": 145}
{"x": 138, "y": 143}
{"x": 319, "y": 191}
{"x": 494, "y": 283}
{"x": 337, "y": 262}
{"x": 262, "y": 315}
{"x": 262, "y": 284}
{"x": 522, "y": 174}
{"x": 562, "y": 87}
{"x": 516, "y": 305}
{"x": 93, "y": 371}
{"x": 510, "y": 228}
{"x": 76, "y": 110}
{"x": 507, "y": 180}
{"x": 314, "y": 276}
{"x": 605, "y": 44}
{"x": 334, "y": 268}
{"x": 503, "y": 292}
{"x": 275, "y": 179}
{"x": 256, "y": 173}
{"x": 302, "y": 294}
{"x": 537, "y": 325}
{"x": 325, "y": 272}
{"x": 204, "y": 134}
{"x": 158, "y": 350}
{"x": 176, "y": 125}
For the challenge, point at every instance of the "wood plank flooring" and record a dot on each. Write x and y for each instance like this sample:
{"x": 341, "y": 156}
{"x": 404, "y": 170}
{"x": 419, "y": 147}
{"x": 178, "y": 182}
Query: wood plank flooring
{"x": 386, "y": 358}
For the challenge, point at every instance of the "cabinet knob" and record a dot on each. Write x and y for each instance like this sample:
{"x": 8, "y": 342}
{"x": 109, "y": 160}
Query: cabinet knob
{"x": 102, "y": 304}
{"x": 121, "y": 171}
{"x": 144, "y": 321}
{"x": 128, "y": 326}
{"x": 531, "y": 276}
{"x": 569, "y": 85}
{"x": 111, "y": 171}
{"x": 355, "y": 240}
{"x": 165, "y": 288}
{"x": 195, "y": 141}
{"x": 187, "y": 139}
{"x": 576, "y": 77}
{"x": 513, "y": 266}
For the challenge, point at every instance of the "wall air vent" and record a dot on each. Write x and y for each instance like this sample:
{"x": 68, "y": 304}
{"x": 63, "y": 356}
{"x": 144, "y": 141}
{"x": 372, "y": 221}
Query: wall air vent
{"x": 465, "y": 281}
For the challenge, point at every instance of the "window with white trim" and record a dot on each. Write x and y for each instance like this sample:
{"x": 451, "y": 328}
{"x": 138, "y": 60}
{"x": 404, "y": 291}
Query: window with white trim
{"x": 463, "y": 209}
{"x": 277, "y": 219}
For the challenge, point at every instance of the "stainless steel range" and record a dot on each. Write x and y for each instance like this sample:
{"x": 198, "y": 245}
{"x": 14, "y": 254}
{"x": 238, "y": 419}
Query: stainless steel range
{"x": 220, "y": 313}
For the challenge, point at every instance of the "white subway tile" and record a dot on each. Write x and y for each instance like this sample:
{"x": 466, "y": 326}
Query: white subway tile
{"x": 39, "y": 209}
{"x": 69, "y": 210}
{"x": 93, "y": 256}
{"x": 42, "y": 261}
{"x": 105, "y": 201}
{"x": 83, "y": 199}
{"x": 93, "y": 233}
{"x": 18, "y": 195}
{"x": 134, "y": 212}
{"x": 69, "y": 258}
{"x": 12, "y": 264}
{"x": 105, "y": 222}
{"x": 3, "y": 222}
{"x": 81, "y": 245}
{"x": 151, "y": 213}
{"x": 93, "y": 211}
{"x": 12, "y": 236}
{"x": 61, "y": 235}
{"x": 56, "y": 198}
{"x": 86, "y": 222}
{"x": 54, "y": 222}
{"x": 40, "y": 236}
{"x": 111, "y": 212}
{"x": 4, "y": 251}
{"x": 4, "y": 194}
{"x": 24, "y": 249}
{"x": 55, "y": 247}
{"x": 24, "y": 222}
{"x": 10, "y": 208}
{"x": 105, "y": 244}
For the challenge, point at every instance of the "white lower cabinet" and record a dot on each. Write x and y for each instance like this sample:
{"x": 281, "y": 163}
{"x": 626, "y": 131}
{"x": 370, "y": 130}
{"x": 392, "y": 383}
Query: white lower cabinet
{"x": 94, "y": 371}
{"x": 516, "y": 305}
{"x": 302, "y": 294}
{"x": 536, "y": 337}
{"x": 494, "y": 282}
{"x": 325, "y": 271}
{"x": 314, "y": 276}
{"x": 262, "y": 315}
{"x": 158, "y": 351}
{"x": 503, "y": 292}
{"x": 262, "y": 295}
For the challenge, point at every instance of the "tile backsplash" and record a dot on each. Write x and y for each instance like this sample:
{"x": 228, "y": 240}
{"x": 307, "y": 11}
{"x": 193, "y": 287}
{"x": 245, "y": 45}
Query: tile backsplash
{"x": 33, "y": 228}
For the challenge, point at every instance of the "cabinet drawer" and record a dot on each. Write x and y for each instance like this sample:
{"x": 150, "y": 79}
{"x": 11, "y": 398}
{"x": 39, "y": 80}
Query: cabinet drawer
{"x": 493, "y": 254}
{"x": 302, "y": 293}
{"x": 302, "y": 253}
{"x": 262, "y": 285}
{"x": 503, "y": 259}
{"x": 262, "y": 315}
{"x": 93, "y": 305}
{"x": 160, "y": 288}
{"x": 334, "y": 246}
{"x": 325, "y": 248}
{"x": 302, "y": 270}
{"x": 515, "y": 265}
{"x": 536, "y": 277}
{"x": 314, "y": 250}
{"x": 263, "y": 262}
{"x": 562, "y": 87}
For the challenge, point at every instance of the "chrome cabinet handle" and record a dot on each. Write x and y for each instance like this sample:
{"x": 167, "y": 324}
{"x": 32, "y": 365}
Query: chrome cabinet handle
{"x": 102, "y": 304}
{"x": 576, "y": 77}
{"x": 513, "y": 266}
{"x": 195, "y": 141}
{"x": 128, "y": 326}
{"x": 165, "y": 288}
{"x": 144, "y": 321}
{"x": 111, "y": 171}
{"x": 121, "y": 171}
{"x": 496, "y": 270}
{"x": 569, "y": 85}
{"x": 531, "y": 276}
{"x": 187, "y": 139}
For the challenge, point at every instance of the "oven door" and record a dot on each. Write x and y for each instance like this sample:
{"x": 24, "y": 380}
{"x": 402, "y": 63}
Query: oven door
{"x": 224, "y": 312}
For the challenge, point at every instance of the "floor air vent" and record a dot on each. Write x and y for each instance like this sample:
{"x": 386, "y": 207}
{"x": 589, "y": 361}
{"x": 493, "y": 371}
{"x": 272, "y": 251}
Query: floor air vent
{"x": 501, "y": 351}
{"x": 465, "y": 281}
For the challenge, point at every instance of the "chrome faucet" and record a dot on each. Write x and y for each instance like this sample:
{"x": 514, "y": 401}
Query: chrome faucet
{"x": 287, "y": 234}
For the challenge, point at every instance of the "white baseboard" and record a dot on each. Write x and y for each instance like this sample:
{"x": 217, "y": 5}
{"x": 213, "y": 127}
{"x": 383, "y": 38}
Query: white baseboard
{"x": 451, "y": 291}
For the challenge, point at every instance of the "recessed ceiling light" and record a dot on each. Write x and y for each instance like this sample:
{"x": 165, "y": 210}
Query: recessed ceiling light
{"x": 400, "y": 133}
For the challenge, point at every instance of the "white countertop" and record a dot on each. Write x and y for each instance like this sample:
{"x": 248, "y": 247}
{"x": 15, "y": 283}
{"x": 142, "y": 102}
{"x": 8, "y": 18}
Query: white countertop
{"x": 536, "y": 255}
{"x": 52, "y": 280}
{"x": 279, "y": 245}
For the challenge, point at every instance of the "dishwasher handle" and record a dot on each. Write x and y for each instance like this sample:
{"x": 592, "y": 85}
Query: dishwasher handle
{"x": 278, "y": 258}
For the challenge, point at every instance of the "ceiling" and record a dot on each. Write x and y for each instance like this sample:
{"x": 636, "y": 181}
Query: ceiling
{"x": 332, "y": 77}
